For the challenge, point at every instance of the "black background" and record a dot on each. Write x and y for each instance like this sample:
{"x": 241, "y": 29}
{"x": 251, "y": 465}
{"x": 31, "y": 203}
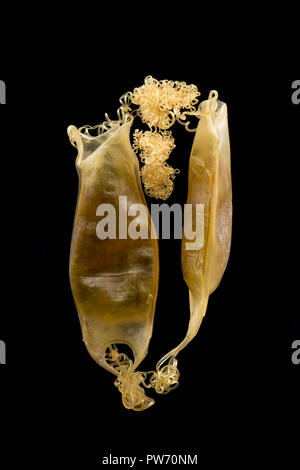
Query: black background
{"x": 238, "y": 386}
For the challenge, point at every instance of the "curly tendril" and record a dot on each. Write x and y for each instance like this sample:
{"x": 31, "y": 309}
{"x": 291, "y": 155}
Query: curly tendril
{"x": 124, "y": 114}
{"x": 160, "y": 105}
{"x": 166, "y": 378}
{"x": 155, "y": 148}
{"x": 128, "y": 381}
{"x": 160, "y": 102}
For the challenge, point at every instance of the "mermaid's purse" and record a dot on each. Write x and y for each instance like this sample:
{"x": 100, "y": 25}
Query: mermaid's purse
{"x": 209, "y": 194}
{"x": 114, "y": 280}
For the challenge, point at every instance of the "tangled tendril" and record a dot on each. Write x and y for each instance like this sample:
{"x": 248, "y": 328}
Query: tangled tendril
{"x": 160, "y": 102}
{"x": 167, "y": 378}
{"x": 128, "y": 381}
{"x": 155, "y": 148}
{"x": 124, "y": 114}
{"x": 160, "y": 105}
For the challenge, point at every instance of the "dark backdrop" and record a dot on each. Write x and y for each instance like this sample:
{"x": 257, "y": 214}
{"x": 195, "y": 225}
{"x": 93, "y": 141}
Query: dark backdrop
{"x": 236, "y": 375}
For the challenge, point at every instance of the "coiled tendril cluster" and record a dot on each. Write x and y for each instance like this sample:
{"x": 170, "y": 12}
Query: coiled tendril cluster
{"x": 160, "y": 105}
{"x": 128, "y": 381}
{"x": 155, "y": 148}
{"x": 166, "y": 378}
{"x": 160, "y": 102}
